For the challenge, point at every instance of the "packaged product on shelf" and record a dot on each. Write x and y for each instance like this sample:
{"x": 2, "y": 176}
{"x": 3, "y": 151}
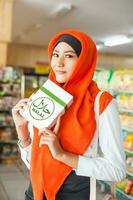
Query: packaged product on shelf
{"x": 5, "y": 120}
{"x": 8, "y": 120}
{"x": 5, "y": 89}
{"x": 103, "y": 77}
{"x": 125, "y": 186}
{"x": 12, "y": 89}
{"x": 14, "y": 150}
{"x": 17, "y": 75}
{"x": 8, "y": 74}
{"x": 6, "y": 150}
{"x": 128, "y": 187}
{"x": 2, "y": 119}
{"x": 122, "y": 80}
{"x": 16, "y": 90}
{"x": 42, "y": 67}
{"x": 5, "y": 134}
{"x": 42, "y": 80}
{"x": 31, "y": 85}
{"x": 131, "y": 192}
{"x": 122, "y": 184}
{"x": 125, "y": 101}
{"x": 127, "y": 121}
{"x": 7, "y": 103}
{"x": 128, "y": 144}
{"x": 129, "y": 164}
{"x": 49, "y": 102}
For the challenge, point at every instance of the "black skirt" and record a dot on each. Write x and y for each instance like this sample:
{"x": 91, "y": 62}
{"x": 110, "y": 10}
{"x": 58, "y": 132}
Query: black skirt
{"x": 74, "y": 188}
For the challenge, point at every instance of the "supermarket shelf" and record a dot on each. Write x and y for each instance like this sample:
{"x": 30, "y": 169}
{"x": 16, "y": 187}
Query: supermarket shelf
{"x": 8, "y": 111}
{"x": 122, "y": 196}
{"x": 8, "y": 95}
{"x": 116, "y": 92}
{"x": 106, "y": 183}
{"x": 36, "y": 74}
{"x": 6, "y": 126}
{"x": 128, "y": 111}
{"x": 118, "y": 193}
{"x": 9, "y": 159}
{"x": 9, "y": 82}
{"x": 8, "y": 142}
{"x": 127, "y": 129}
{"x": 128, "y": 152}
{"x": 105, "y": 186}
{"x": 129, "y": 175}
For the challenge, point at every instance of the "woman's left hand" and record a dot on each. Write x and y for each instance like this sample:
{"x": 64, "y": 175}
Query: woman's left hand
{"x": 49, "y": 138}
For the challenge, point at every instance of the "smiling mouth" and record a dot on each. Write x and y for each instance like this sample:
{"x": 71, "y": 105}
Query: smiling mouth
{"x": 60, "y": 72}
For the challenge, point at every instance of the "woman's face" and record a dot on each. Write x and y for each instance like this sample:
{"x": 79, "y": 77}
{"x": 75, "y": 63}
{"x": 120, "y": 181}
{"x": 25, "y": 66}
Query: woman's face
{"x": 63, "y": 61}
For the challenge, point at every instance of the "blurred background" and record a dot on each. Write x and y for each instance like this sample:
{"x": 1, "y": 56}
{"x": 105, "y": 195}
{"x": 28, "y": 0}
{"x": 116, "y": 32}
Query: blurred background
{"x": 26, "y": 27}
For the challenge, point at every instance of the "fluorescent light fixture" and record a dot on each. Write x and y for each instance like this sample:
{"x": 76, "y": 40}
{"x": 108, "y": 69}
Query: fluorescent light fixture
{"x": 62, "y": 9}
{"x": 117, "y": 40}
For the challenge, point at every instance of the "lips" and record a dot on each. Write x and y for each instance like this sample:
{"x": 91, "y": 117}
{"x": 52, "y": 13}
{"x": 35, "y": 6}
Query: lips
{"x": 60, "y": 72}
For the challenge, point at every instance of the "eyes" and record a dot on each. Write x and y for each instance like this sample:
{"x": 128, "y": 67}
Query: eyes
{"x": 66, "y": 55}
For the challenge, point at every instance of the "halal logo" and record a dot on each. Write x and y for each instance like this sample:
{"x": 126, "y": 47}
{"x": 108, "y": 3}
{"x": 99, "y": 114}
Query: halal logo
{"x": 42, "y": 108}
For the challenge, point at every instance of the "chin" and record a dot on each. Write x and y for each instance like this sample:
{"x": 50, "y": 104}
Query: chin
{"x": 59, "y": 80}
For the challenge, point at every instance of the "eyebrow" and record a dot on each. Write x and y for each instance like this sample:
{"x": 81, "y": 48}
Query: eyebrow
{"x": 70, "y": 51}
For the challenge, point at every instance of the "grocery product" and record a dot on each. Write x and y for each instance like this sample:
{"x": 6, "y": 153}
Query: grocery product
{"x": 122, "y": 80}
{"x": 49, "y": 102}
{"x": 103, "y": 77}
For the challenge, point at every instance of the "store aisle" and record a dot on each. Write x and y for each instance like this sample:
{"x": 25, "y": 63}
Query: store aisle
{"x": 14, "y": 179}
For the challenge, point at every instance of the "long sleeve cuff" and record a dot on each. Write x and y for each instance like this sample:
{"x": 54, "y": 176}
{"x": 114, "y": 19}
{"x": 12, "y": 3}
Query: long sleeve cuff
{"x": 26, "y": 155}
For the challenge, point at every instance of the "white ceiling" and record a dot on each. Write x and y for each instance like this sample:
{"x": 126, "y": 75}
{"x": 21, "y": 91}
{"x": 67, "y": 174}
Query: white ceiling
{"x": 35, "y": 21}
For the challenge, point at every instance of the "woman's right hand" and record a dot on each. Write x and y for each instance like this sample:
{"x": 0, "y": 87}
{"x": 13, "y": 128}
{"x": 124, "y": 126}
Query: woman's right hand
{"x": 17, "y": 117}
{"x": 20, "y": 122}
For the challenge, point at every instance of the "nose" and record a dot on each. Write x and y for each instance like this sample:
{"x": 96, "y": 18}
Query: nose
{"x": 60, "y": 61}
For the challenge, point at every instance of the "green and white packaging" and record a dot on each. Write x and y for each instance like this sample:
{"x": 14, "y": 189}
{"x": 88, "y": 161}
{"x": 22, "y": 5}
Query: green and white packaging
{"x": 49, "y": 102}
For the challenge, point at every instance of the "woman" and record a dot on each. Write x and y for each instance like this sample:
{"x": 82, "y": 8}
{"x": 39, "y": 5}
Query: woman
{"x": 61, "y": 159}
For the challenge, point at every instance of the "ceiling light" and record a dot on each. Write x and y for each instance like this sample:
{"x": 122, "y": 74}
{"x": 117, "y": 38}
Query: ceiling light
{"x": 117, "y": 40}
{"x": 62, "y": 9}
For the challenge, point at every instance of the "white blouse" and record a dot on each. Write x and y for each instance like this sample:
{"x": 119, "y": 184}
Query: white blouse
{"x": 109, "y": 164}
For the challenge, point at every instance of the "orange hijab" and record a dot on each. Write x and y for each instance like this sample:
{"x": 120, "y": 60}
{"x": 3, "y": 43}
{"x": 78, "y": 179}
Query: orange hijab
{"x": 77, "y": 124}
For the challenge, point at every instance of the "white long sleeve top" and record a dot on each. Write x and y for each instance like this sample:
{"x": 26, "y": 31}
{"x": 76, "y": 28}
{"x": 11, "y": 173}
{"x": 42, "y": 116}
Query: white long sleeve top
{"x": 108, "y": 166}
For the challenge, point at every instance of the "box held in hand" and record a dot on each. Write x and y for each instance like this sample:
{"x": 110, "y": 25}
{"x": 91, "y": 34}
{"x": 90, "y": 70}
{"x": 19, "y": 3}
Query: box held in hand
{"x": 49, "y": 102}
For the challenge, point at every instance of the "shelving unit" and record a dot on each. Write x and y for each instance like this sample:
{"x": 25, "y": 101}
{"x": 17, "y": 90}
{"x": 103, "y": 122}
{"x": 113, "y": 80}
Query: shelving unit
{"x": 128, "y": 152}
{"x": 14, "y": 84}
{"x": 129, "y": 112}
{"x": 31, "y": 81}
{"x": 120, "y": 84}
{"x": 128, "y": 130}
{"x": 129, "y": 175}
{"x": 120, "y": 195}
{"x": 10, "y": 92}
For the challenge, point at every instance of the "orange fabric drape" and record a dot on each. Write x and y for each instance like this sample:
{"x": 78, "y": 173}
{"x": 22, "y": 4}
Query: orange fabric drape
{"x": 77, "y": 124}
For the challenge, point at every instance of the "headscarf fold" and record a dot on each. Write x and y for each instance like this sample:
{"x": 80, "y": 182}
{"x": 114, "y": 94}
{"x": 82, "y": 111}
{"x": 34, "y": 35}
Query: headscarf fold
{"x": 78, "y": 124}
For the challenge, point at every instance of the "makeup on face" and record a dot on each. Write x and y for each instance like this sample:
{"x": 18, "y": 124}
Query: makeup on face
{"x": 65, "y": 56}
{"x": 63, "y": 61}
